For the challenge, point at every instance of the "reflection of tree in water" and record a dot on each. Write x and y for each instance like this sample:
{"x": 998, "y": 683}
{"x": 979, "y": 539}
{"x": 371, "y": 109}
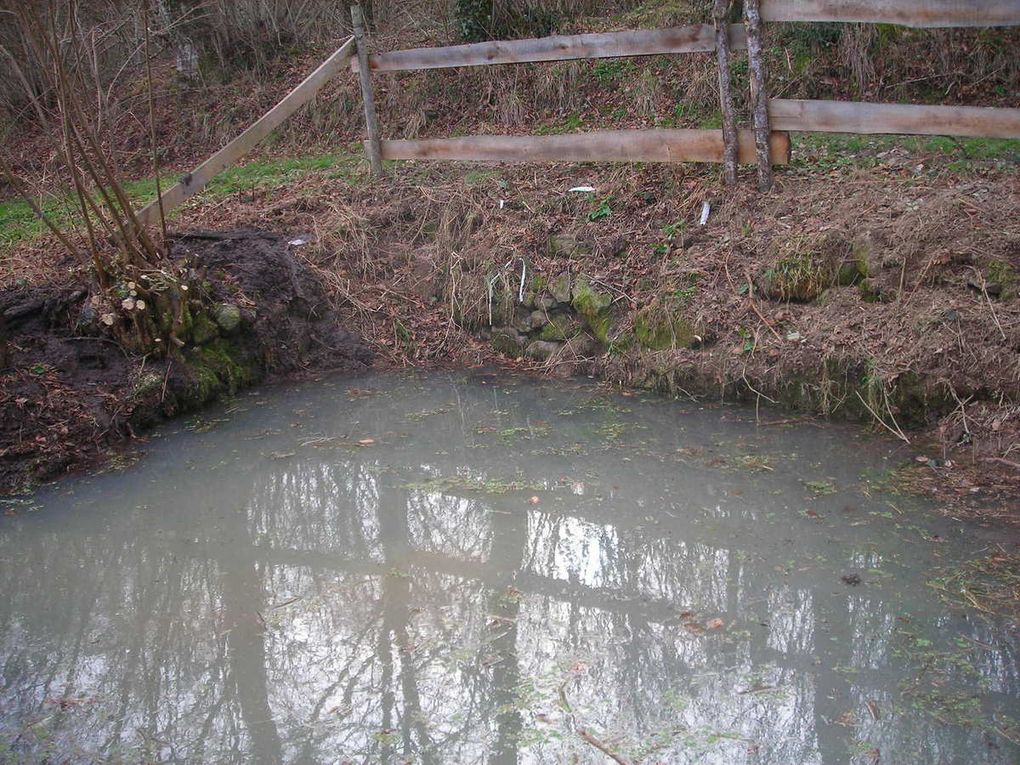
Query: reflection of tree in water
{"x": 449, "y": 626}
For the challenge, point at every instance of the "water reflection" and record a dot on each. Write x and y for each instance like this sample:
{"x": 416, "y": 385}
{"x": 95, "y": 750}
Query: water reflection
{"x": 506, "y": 574}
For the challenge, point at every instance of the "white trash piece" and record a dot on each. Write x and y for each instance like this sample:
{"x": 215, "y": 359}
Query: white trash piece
{"x": 582, "y": 189}
{"x": 706, "y": 210}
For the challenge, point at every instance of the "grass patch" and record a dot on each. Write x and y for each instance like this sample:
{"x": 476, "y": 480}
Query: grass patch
{"x": 19, "y": 224}
{"x": 837, "y": 150}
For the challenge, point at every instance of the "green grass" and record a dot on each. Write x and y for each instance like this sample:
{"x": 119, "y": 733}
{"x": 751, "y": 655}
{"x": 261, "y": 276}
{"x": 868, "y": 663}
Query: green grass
{"x": 836, "y": 150}
{"x": 19, "y": 224}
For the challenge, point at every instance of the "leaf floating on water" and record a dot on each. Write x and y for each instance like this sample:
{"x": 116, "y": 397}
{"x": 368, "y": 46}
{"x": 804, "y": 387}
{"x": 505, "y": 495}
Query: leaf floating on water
{"x": 873, "y": 709}
{"x": 366, "y": 442}
{"x": 281, "y": 455}
{"x": 715, "y": 624}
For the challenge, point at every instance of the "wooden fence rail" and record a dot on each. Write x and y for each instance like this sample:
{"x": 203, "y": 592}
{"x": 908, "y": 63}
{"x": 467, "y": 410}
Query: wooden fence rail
{"x": 605, "y": 145}
{"x": 906, "y": 119}
{"x": 911, "y": 13}
{"x": 698, "y": 38}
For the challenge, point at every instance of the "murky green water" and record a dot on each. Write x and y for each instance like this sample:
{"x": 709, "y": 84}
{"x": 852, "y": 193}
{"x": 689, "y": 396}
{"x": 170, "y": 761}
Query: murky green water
{"x": 501, "y": 571}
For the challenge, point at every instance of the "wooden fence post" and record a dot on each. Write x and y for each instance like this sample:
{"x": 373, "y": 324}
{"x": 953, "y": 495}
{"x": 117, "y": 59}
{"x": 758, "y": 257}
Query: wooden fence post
{"x": 371, "y": 121}
{"x": 759, "y": 95}
{"x": 729, "y": 125}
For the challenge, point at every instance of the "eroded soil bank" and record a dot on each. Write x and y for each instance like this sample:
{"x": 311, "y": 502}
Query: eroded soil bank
{"x": 68, "y": 392}
{"x": 886, "y": 296}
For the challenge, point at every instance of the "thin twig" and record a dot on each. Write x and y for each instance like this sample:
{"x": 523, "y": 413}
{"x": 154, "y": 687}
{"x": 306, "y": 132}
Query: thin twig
{"x": 897, "y": 433}
{"x": 603, "y": 747}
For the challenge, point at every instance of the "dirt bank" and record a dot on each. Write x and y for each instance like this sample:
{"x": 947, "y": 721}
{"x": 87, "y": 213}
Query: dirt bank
{"x": 68, "y": 393}
{"x": 885, "y": 294}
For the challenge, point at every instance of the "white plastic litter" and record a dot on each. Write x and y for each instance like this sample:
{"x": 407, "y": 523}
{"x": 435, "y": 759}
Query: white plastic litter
{"x": 706, "y": 210}
{"x": 582, "y": 189}
{"x": 297, "y": 242}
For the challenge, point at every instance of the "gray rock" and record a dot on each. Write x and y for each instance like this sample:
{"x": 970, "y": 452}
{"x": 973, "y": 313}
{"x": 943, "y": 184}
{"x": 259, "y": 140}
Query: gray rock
{"x": 566, "y": 245}
{"x": 540, "y": 350}
{"x": 560, "y": 288}
{"x": 508, "y": 340}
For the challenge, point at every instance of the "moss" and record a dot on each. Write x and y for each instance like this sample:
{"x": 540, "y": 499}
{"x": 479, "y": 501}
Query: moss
{"x": 1003, "y": 275}
{"x": 560, "y": 328}
{"x": 805, "y": 268}
{"x": 593, "y": 306}
{"x": 222, "y": 366}
{"x": 659, "y": 330}
{"x": 203, "y": 329}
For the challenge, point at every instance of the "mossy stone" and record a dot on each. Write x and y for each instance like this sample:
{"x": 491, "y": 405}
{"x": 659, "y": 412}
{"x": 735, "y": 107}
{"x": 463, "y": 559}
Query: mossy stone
{"x": 560, "y": 288}
{"x": 540, "y": 350}
{"x": 203, "y": 329}
{"x": 227, "y": 316}
{"x": 1003, "y": 275}
{"x": 560, "y": 327}
{"x": 221, "y": 366}
{"x": 507, "y": 341}
{"x": 658, "y": 330}
{"x": 566, "y": 246}
{"x": 621, "y": 344}
{"x": 807, "y": 267}
{"x": 147, "y": 384}
{"x": 593, "y": 306}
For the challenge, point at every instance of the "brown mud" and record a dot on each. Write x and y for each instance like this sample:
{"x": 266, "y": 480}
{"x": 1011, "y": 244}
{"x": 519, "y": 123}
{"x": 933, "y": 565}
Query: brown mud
{"x": 68, "y": 393}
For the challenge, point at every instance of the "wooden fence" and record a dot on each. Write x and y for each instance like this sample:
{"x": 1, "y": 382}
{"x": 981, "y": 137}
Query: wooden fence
{"x": 766, "y": 143}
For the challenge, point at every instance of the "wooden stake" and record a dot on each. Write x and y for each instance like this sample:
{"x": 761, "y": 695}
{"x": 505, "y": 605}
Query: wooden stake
{"x": 371, "y": 121}
{"x": 729, "y": 126}
{"x": 759, "y": 95}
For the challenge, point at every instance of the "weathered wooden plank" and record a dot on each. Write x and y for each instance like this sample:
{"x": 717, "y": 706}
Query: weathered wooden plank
{"x": 602, "y": 146}
{"x": 197, "y": 179}
{"x": 367, "y": 96}
{"x": 860, "y": 117}
{"x": 911, "y": 13}
{"x": 698, "y": 38}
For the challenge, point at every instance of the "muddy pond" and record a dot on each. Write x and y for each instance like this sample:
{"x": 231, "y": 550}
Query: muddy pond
{"x": 470, "y": 568}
